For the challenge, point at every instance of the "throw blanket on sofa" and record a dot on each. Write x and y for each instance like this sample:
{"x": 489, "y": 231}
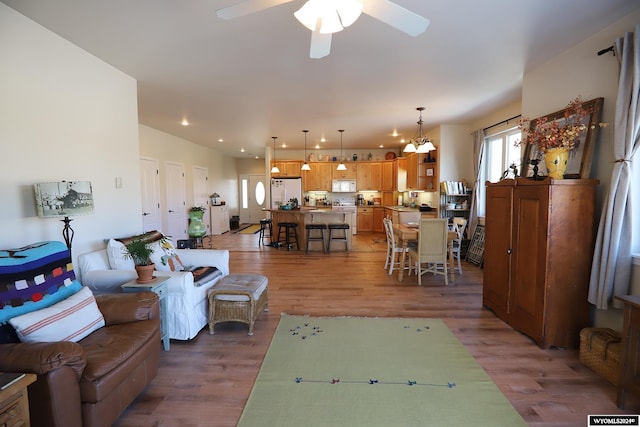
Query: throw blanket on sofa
{"x": 34, "y": 277}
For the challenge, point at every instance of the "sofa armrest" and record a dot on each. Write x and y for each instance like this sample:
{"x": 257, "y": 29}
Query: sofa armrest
{"x": 128, "y": 307}
{"x": 42, "y": 357}
{"x": 107, "y": 281}
{"x": 206, "y": 257}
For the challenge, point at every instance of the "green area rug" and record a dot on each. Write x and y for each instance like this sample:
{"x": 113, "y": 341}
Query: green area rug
{"x": 372, "y": 372}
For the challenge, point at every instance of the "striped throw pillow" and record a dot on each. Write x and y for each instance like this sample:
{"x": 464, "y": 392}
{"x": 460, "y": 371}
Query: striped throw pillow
{"x": 69, "y": 320}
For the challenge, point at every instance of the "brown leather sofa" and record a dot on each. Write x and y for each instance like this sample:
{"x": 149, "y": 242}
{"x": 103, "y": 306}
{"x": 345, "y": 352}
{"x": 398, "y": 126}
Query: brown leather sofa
{"x": 91, "y": 382}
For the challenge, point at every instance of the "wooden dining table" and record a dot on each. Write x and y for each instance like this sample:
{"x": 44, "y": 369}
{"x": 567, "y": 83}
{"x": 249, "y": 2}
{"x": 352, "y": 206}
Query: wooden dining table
{"x": 407, "y": 234}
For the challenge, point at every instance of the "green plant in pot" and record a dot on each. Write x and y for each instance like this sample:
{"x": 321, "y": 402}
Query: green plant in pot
{"x": 140, "y": 252}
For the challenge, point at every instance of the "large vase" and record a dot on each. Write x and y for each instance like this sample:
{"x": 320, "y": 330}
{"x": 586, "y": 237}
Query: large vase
{"x": 197, "y": 228}
{"x": 556, "y": 161}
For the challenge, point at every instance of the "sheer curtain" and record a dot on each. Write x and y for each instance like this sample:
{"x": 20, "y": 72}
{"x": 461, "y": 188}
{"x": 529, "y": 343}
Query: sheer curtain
{"x": 478, "y": 149}
{"x": 611, "y": 268}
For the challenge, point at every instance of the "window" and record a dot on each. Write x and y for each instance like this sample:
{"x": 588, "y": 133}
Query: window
{"x": 500, "y": 152}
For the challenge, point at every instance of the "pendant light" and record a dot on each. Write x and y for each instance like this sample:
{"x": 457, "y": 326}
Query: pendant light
{"x": 341, "y": 166}
{"x": 305, "y": 165}
{"x": 274, "y": 169}
{"x": 419, "y": 144}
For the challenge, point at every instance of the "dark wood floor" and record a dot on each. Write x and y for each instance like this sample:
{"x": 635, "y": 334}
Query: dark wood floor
{"x": 206, "y": 381}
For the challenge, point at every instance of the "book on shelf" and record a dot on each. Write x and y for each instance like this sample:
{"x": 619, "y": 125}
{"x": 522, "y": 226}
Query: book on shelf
{"x": 8, "y": 378}
{"x": 454, "y": 188}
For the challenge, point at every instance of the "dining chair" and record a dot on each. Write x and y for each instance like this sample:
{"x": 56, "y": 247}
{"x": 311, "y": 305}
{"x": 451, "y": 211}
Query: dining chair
{"x": 394, "y": 249}
{"x": 459, "y": 225}
{"x": 431, "y": 252}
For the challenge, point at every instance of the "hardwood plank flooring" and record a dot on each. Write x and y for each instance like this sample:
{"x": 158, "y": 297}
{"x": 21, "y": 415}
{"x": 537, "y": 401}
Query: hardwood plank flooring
{"x": 206, "y": 381}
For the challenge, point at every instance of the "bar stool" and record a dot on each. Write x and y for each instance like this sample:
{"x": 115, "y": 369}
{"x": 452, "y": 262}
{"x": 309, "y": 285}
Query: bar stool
{"x": 319, "y": 227}
{"x": 266, "y": 231}
{"x": 343, "y": 238}
{"x": 290, "y": 231}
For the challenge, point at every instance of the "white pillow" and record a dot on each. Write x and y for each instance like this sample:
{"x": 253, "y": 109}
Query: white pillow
{"x": 69, "y": 320}
{"x": 117, "y": 258}
{"x": 164, "y": 256}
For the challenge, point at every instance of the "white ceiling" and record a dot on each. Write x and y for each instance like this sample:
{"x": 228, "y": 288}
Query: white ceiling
{"x": 251, "y": 78}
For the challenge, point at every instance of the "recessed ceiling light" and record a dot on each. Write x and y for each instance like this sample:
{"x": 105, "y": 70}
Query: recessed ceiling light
{"x": 402, "y": 140}
{"x": 323, "y": 139}
{"x": 220, "y": 140}
{"x": 242, "y": 150}
{"x": 381, "y": 146}
{"x": 284, "y": 145}
{"x": 395, "y": 133}
{"x": 184, "y": 122}
{"x": 317, "y": 146}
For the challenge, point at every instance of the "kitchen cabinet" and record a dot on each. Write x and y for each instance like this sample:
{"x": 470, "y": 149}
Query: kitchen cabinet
{"x": 539, "y": 239}
{"x": 318, "y": 178}
{"x": 350, "y": 173}
{"x": 290, "y": 168}
{"x": 219, "y": 216}
{"x": 378, "y": 216}
{"x": 389, "y": 199}
{"x": 400, "y": 165}
{"x": 369, "y": 176}
{"x": 365, "y": 219}
{"x": 422, "y": 171}
{"x": 389, "y": 180}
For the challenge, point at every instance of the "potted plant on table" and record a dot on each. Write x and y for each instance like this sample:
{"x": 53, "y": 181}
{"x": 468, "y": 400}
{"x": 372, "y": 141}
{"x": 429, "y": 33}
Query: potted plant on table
{"x": 140, "y": 252}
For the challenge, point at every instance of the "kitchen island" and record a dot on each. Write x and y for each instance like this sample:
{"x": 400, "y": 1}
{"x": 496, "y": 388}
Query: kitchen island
{"x": 310, "y": 215}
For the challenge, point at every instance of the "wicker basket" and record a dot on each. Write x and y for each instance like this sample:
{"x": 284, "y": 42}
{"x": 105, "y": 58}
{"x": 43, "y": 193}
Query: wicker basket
{"x": 600, "y": 351}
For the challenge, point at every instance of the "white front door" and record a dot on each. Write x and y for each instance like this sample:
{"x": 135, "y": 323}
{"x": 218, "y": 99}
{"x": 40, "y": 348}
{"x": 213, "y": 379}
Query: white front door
{"x": 176, "y": 203}
{"x": 201, "y": 192}
{"x": 253, "y": 193}
{"x": 150, "y": 185}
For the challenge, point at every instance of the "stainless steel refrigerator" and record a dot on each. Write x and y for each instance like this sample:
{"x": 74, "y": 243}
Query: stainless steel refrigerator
{"x": 284, "y": 189}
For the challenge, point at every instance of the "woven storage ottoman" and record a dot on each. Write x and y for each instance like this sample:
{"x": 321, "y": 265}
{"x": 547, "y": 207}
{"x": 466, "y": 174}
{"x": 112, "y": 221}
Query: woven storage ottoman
{"x": 600, "y": 351}
{"x": 238, "y": 298}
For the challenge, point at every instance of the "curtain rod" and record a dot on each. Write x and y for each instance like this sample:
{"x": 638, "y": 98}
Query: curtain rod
{"x": 502, "y": 122}
{"x": 609, "y": 49}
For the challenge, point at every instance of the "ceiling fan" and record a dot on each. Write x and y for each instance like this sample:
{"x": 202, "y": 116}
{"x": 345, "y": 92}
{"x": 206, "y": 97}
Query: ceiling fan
{"x": 325, "y": 17}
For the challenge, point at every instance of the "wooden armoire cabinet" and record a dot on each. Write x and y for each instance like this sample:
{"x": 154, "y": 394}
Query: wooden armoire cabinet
{"x": 539, "y": 239}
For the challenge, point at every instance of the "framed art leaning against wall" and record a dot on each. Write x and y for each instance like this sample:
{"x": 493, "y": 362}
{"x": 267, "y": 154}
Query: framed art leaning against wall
{"x": 579, "y": 165}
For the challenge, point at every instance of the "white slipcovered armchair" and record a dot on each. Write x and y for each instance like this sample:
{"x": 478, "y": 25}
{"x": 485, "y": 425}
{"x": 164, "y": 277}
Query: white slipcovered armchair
{"x": 187, "y": 304}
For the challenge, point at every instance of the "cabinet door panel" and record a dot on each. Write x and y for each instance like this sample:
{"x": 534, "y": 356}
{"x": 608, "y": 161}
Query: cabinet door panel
{"x": 495, "y": 287}
{"x": 528, "y": 282}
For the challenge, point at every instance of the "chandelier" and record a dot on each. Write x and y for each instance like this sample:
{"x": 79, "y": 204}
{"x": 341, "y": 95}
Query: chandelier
{"x": 419, "y": 144}
{"x": 328, "y": 16}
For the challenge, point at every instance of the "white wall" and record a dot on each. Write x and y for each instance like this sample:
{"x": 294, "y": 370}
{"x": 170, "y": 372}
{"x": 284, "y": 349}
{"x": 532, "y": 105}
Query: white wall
{"x": 64, "y": 115}
{"x": 580, "y": 71}
{"x": 223, "y": 174}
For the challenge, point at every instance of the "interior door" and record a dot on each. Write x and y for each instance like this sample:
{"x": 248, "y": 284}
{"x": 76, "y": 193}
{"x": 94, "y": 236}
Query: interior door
{"x": 176, "y": 203}
{"x": 150, "y": 186}
{"x": 201, "y": 192}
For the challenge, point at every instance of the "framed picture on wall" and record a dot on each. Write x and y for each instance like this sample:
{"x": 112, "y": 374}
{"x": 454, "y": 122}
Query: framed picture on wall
{"x": 579, "y": 165}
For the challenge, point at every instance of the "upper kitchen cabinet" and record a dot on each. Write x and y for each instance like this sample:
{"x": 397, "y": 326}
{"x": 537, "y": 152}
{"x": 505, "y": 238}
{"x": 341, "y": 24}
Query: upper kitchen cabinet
{"x": 369, "y": 176}
{"x": 389, "y": 176}
{"x": 422, "y": 171}
{"x": 318, "y": 178}
{"x": 288, "y": 168}
{"x": 350, "y": 173}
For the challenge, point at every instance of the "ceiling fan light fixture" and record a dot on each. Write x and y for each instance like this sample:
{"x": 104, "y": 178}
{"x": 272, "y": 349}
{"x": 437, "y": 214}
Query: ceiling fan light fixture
{"x": 328, "y": 16}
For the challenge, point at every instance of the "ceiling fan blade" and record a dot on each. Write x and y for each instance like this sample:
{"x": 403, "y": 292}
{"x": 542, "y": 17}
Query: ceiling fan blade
{"x": 320, "y": 45}
{"x": 396, "y": 16}
{"x": 246, "y": 7}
